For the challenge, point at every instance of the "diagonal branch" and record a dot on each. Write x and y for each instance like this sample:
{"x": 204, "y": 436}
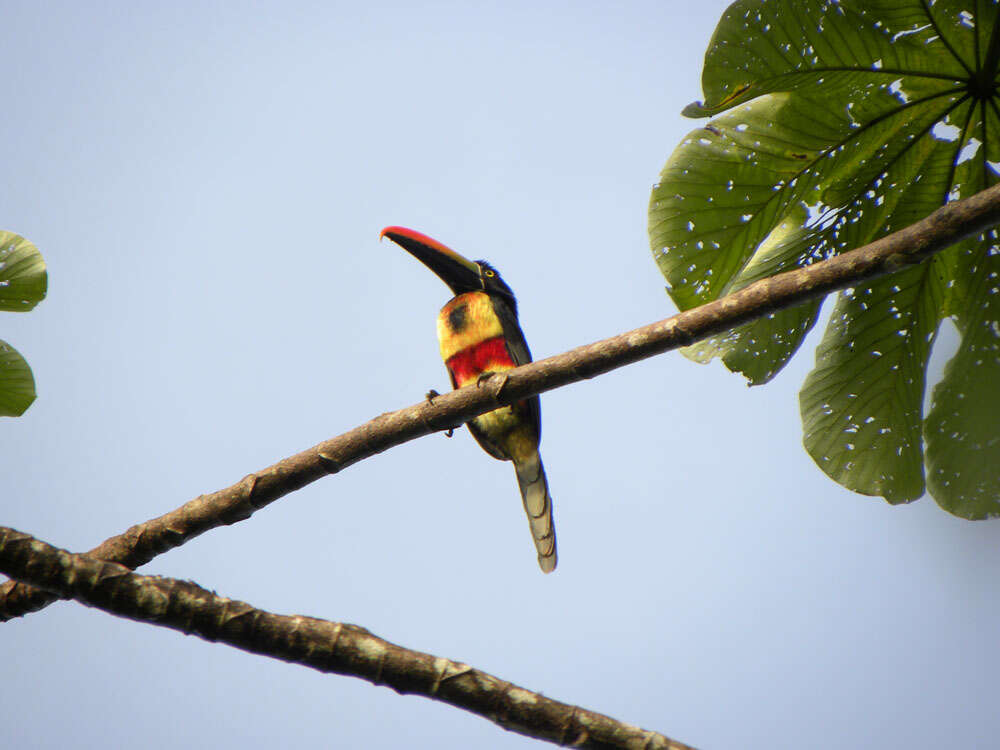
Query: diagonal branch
{"x": 323, "y": 645}
{"x": 143, "y": 542}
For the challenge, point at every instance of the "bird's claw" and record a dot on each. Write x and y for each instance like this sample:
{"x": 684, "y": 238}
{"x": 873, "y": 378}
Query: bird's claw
{"x": 430, "y": 396}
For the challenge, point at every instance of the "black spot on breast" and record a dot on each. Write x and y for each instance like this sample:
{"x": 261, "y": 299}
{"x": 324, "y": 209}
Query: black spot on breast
{"x": 457, "y": 319}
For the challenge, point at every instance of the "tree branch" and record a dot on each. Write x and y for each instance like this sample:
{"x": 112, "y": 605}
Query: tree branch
{"x": 331, "y": 647}
{"x": 911, "y": 245}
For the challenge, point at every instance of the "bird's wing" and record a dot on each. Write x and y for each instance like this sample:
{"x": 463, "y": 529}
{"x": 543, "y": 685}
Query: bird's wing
{"x": 518, "y": 350}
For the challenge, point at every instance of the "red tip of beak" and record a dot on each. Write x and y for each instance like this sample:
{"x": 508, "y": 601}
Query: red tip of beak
{"x": 409, "y": 234}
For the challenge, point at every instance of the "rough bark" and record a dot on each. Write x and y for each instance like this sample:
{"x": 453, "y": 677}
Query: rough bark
{"x": 143, "y": 542}
{"x": 326, "y": 646}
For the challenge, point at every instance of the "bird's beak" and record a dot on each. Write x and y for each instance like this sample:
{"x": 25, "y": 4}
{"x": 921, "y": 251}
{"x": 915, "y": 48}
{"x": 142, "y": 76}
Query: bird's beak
{"x": 460, "y": 274}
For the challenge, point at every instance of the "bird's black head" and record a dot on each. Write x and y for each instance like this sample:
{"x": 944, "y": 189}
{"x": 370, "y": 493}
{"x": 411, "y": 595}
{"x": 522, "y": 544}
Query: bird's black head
{"x": 493, "y": 283}
{"x": 460, "y": 274}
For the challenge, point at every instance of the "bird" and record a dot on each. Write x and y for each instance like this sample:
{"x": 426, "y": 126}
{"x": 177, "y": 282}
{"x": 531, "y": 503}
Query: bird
{"x": 479, "y": 334}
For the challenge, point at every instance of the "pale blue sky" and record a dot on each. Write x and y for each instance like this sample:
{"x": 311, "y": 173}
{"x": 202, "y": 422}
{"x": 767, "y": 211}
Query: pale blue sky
{"x": 207, "y": 182}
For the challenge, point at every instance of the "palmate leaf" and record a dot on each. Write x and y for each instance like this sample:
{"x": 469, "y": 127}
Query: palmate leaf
{"x": 834, "y": 124}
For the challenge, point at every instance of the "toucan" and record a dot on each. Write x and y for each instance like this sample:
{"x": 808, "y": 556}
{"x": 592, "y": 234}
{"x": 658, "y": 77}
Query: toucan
{"x": 479, "y": 334}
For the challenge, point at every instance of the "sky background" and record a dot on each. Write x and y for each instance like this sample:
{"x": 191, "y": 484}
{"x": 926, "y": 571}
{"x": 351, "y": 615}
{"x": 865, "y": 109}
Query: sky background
{"x": 207, "y": 182}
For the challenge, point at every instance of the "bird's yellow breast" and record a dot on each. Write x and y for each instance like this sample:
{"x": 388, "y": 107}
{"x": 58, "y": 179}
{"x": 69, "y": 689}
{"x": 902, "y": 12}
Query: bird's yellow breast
{"x": 472, "y": 342}
{"x": 467, "y": 320}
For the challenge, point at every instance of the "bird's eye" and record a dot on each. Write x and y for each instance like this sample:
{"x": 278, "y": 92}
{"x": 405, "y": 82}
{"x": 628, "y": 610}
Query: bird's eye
{"x": 489, "y": 273}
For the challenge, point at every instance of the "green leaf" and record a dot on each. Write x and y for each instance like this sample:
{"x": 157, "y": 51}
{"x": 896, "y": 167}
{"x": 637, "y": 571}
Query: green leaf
{"x": 23, "y": 279}
{"x": 861, "y": 406}
{"x": 794, "y": 45}
{"x": 17, "y": 386}
{"x": 837, "y": 123}
{"x": 760, "y": 348}
{"x": 963, "y": 440}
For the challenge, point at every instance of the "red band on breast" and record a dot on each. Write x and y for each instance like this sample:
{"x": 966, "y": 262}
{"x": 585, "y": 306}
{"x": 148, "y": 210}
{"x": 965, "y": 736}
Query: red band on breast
{"x": 486, "y": 356}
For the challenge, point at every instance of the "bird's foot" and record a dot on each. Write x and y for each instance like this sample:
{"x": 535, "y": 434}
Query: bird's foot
{"x": 430, "y": 396}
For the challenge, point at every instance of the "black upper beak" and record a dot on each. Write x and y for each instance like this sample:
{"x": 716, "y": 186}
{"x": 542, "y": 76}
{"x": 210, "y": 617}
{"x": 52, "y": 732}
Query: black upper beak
{"x": 460, "y": 274}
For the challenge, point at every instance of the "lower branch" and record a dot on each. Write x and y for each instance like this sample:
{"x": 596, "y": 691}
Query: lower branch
{"x": 325, "y": 646}
{"x": 143, "y": 542}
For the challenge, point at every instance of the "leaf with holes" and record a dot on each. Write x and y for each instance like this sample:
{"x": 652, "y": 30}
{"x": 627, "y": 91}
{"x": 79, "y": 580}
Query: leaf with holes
{"x": 836, "y": 123}
{"x": 23, "y": 279}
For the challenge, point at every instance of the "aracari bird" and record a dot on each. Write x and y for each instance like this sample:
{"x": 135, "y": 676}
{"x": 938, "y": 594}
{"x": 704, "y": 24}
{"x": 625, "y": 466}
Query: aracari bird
{"x": 479, "y": 334}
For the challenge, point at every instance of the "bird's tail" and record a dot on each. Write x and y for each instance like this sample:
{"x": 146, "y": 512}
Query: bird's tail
{"x": 538, "y": 506}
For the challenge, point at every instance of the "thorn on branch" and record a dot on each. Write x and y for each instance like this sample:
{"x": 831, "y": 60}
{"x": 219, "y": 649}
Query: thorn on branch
{"x": 486, "y": 376}
{"x": 330, "y": 464}
{"x": 243, "y": 510}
